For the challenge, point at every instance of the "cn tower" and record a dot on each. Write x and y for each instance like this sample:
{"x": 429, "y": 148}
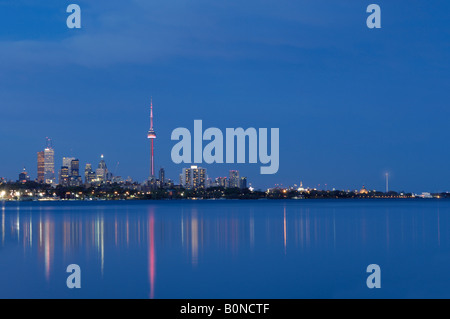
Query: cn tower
{"x": 151, "y": 135}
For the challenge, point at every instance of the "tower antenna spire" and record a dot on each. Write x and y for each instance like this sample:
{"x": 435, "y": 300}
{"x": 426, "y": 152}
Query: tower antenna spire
{"x": 387, "y": 182}
{"x": 151, "y": 113}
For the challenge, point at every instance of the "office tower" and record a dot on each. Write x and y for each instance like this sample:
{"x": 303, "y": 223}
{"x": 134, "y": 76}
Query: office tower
{"x": 49, "y": 163}
{"x": 75, "y": 178}
{"x": 23, "y": 176}
{"x": 67, "y": 162}
{"x": 151, "y": 135}
{"x": 64, "y": 176}
{"x": 243, "y": 183}
{"x": 102, "y": 171}
{"x": 90, "y": 177}
{"x": 162, "y": 174}
{"x": 89, "y": 174}
{"x": 234, "y": 179}
{"x": 194, "y": 177}
{"x": 87, "y": 169}
{"x": 40, "y": 167}
{"x": 75, "y": 168}
{"x": 49, "y": 166}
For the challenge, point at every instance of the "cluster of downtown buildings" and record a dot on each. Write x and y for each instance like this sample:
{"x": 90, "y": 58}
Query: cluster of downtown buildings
{"x": 69, "y": 175}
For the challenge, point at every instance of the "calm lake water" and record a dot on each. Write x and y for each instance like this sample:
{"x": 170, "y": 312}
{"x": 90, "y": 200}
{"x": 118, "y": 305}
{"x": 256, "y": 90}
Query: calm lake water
{"x": 226, "y": 249}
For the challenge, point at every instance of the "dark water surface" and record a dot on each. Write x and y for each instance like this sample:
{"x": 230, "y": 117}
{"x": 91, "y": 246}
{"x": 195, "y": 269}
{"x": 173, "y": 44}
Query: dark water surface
{"x": 226, "y": 249}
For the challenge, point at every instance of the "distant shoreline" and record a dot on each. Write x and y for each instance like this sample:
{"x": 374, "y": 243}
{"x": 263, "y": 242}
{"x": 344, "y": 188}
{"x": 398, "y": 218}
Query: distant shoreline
{"x": 32, "y": 191}
{"x": 221, "y": 200}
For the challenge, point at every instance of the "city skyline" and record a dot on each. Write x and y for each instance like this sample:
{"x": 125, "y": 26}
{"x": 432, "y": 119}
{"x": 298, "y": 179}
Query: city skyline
{"x": 46, "y": 173}
{"x": 191, "y": 177}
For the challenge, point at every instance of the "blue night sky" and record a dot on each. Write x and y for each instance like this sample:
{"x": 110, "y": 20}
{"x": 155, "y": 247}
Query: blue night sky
{"x": 351, "y": 103}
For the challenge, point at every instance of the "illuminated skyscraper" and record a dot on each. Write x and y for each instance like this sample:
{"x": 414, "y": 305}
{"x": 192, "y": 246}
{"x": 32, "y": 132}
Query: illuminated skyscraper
{"x": 89, "y": 174}
{"x": 64, "y": 176}
{"x": 151, "y": 135}
{"x": 75, "y": 168}
{"x": 162, "y": 176}
{"x": 69, "y": 175}
{"x": 40, "y": 166}
{"x": 102, "y": 171}
{"x": 75, "y": 178}
{"x": 194, "y": 177}
{"x": 23, "y": 176}
{"x": 67, "y": 162}
{"x": 46, "y": 164}
{"x": 234, "y": 179}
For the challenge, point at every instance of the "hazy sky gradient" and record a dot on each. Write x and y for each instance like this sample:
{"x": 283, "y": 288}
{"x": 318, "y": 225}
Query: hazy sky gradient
{"x": 351, "y": 103}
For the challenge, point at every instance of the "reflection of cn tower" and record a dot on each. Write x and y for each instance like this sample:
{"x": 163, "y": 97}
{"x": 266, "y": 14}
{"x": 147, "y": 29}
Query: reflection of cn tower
{"x": 151, "y": 254}
{"x": 151, "y": 135}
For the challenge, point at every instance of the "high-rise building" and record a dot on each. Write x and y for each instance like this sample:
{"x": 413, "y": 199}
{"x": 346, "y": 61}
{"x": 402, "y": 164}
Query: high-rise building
{"x": 89, "y": 174}
{"x": 75, "y": 178}
{"x": 67, "y": 161}
{"x": 49, "y": 166}
{"x": 40, "y": 167}
{"x": 101, "y": 171}
{"x": 23, "y": 176}
{"x": 75, "y": 167}
{"x": 69, "y": 174}
{"x": 233, "y": 181}
{"x": 49, "y": 163}
{"x": 162, "y": 176}
{"x": 151, "y": 135}
{"x": 243, "y": 183}
{"x": 64, "y": 176}
{"x": 87, "y": 168}
{"x": 199, "y": 177}
{"x": 194, "y": 177}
